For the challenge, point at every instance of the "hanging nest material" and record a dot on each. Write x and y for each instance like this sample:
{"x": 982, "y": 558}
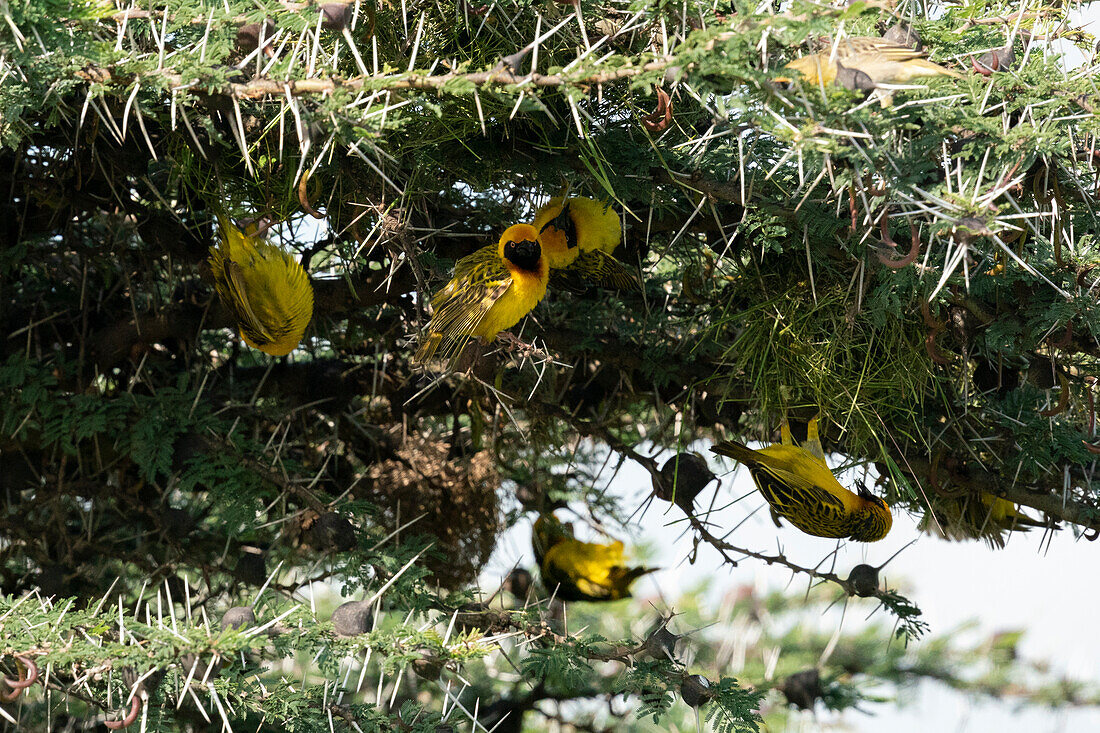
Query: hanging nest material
{"x": 458, "y": 499}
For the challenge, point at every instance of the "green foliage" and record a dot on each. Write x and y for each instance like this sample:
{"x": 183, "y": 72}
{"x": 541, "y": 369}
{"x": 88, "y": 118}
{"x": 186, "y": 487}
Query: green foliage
{"x": 734, "y": 709}
{"x": 920, "y": 273}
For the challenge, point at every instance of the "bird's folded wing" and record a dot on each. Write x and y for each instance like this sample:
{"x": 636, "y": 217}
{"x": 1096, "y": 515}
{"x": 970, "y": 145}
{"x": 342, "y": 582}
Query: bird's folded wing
{"x": 480, "y": 280}
{"x": 485, "y": 261}
{"x": 238, "y": 292}
{"x": 885, "y": 50}
{"x": 791, "y": 492}
{"x": 594, "y": 268}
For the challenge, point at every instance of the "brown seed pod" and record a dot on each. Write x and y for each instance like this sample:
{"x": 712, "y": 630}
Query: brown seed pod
{"x": 661, "y": 643}
{"x": 248, "y": 37}
{"x": 428, "y": 666}
{"x": 330, "y": 532}
{"x": 682, "y": 479}
{"x": 352, "y": 618}
{"x": 239, "y": 617}
{"x": 200, "y": 665}
{"x": 854, "y": 79}
{"x": 251, "y": 568}
{"x": 969, "y": 228}
{"x": 53, "y": 580}
{"x": 335, "y": 16}
{"x": 514, "y": 61}
{"x": 803, "y": 689}
{"x": 660, "y": 118}
{"x": 695, "y": 690}
{"x": 28, "y": 675}
{"x": 518, "y": 583}
{"x": 903, "y": 35}
{"x": 998, "y": 59}
{"x": 476, "y": 616}
{"x": 864, "y": 580}
{"x": 128, "y": 718}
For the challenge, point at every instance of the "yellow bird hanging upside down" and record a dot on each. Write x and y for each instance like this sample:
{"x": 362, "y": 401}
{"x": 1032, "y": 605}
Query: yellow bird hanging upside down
{"x": 980, "y": 515}
{"x": 267, "y": 289}
{"x": 799, "y": 486}
{"x": 578, "y": 236}
{"x": 581, "y": 571}
{"x": 884, "y": 62}
{"x": 492, "y": 289}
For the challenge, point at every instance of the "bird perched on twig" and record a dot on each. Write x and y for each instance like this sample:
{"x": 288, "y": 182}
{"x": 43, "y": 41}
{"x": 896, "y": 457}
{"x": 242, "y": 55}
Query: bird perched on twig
{"x": 267, "y": 289}
{"x": 581, "y": 571}
{"x": 578, "y": 236}
{"x": 881, "y": 60}
{"x": 799, "y": 487}
{"x": 492, "y": 289}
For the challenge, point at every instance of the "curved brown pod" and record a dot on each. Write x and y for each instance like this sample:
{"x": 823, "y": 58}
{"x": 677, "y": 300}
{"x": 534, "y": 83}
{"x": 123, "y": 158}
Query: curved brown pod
{"x": 135, "y": 708}
{"x": 914, "y": 247}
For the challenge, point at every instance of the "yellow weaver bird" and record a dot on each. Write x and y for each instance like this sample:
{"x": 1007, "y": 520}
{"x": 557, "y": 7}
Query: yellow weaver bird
{"x": 799, "y": 487}
{"x": 884, "y": 62}
{"x": 976, "y": 516}
{"x": 578, "y": 236}
{"x": 492, "y": 289}
{"x": 267, "y": 289}
{"x": 581, "y": 571}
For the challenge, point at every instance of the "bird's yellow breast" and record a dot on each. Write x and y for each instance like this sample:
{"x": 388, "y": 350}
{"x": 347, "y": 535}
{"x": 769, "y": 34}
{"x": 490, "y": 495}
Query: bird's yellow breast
{"x": 813, "y": 69}
{"x": 587, "y": 560}
{"x": 596, "y": 224}
{"x": 525, "y": 292}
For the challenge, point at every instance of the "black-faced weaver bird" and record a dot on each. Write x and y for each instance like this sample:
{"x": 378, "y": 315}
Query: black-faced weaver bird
{"x": 578, "y": 236}
{"x": 581, "y": 571}
{"x": 798, "y": 485}
{"x": 492, "y": 289}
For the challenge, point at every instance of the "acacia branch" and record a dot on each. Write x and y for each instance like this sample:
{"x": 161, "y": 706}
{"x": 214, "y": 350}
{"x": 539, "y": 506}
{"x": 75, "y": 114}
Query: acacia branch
{"x": 1061, "y": 505}
{"x": 264, "y": 88}
{"x": 724, "y": 548}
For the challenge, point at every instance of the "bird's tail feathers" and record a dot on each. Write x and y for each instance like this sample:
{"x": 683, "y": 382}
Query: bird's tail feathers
{"x": 935, "y": 68}
{"x": 626, "y": 576}
{"x": 733, "y": 449}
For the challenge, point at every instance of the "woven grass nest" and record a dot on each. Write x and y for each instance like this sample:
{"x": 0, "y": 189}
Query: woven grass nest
{"x": 457, "y": 496}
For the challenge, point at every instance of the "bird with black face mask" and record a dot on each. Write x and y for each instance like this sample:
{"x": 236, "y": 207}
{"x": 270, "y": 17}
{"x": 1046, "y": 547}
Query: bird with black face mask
{"x": 578, "y": 236}
{"x": 492, "y": 289}
{"x": 798, "y": 485}
{"x": 581, "y": 571}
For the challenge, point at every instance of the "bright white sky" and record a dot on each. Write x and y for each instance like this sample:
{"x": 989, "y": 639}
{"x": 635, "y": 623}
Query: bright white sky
{"x": 1050, "y": 592}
